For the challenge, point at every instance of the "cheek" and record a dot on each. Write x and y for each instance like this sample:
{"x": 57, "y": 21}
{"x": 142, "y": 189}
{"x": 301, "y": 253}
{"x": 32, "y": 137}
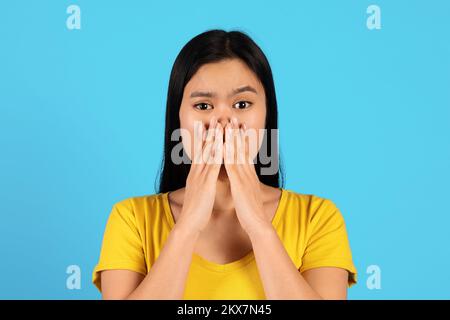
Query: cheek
{"x": 188, "y": 117}
{"x": 255, "y": 124}
{"x": 255, "y": 118}
{"x": 187, "y": 137}
{"x": 187, "y": 122}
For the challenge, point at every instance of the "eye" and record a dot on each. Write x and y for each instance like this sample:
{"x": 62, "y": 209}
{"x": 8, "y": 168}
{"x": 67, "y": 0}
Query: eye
{"x": 203, "y": 106}
{"x": 242, "y": 105}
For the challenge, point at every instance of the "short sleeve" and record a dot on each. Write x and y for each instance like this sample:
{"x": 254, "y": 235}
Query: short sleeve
{"x": 328, "y": 244}
{"x": 122, "y": 245}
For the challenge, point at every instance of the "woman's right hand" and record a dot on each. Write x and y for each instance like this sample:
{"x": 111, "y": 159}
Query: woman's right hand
{"x": 200, "y": 190}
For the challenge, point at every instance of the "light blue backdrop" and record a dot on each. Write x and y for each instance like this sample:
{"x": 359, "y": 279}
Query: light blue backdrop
{"x": 364, "y": 118}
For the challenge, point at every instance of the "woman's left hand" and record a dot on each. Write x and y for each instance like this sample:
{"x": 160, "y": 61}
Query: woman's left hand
{"x": 244, "y": 182}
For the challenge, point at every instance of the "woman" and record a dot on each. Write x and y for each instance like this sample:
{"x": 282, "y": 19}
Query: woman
{"x": 221, "y": 227}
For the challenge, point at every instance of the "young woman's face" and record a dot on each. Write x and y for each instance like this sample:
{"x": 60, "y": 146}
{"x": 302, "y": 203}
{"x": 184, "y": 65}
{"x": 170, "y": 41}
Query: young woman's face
{"x": 224, "y": 89}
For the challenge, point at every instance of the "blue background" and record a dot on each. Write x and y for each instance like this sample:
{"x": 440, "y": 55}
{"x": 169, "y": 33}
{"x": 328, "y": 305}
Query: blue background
{"x": 364, "y": 118}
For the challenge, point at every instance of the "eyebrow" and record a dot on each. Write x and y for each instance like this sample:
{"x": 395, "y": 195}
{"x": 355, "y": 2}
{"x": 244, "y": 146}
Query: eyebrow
{"x": 209, "y": 94}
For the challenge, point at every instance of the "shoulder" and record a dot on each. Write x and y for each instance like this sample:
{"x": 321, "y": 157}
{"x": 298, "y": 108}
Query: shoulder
{"x": 138, "y": 207}
{"x": 312, "y": 206}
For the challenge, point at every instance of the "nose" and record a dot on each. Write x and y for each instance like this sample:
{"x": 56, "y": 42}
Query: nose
{"x": 223, "y": 121}
{"x": 223, "y": 115}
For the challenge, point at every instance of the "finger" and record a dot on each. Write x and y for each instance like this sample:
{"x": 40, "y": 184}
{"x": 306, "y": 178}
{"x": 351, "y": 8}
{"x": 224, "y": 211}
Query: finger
{"x": 217, "y": 150}
{"x": 246, "y": 142}
{"x": 237, "y": 138}
{"x": 199, "y": 131}
{"x": 228, "y": 145}
{"x": 242, "y": 145}
{"x": 209, "y": 140}
{"x": 212, "y": 169}
{"x": 210, "y": 133}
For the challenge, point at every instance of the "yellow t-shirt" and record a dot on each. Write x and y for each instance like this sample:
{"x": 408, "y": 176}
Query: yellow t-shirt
{"x": 311, "y": 228}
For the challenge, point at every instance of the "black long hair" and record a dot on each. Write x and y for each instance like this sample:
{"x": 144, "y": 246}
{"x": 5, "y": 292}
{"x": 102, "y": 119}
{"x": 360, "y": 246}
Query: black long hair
{"x": 208, "y": 47}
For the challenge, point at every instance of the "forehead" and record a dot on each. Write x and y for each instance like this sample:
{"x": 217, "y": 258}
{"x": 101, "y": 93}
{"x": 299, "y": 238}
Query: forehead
{"x": 223, "y": 76}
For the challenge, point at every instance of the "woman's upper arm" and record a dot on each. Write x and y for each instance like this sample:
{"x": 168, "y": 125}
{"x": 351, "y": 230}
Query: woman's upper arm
{"x": 119, "y": 284}
{"x": 328, "y": 282}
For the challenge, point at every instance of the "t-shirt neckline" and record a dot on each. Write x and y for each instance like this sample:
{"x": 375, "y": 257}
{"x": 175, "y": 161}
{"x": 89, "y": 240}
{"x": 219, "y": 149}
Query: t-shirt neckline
{"x": 233, "y": 265}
